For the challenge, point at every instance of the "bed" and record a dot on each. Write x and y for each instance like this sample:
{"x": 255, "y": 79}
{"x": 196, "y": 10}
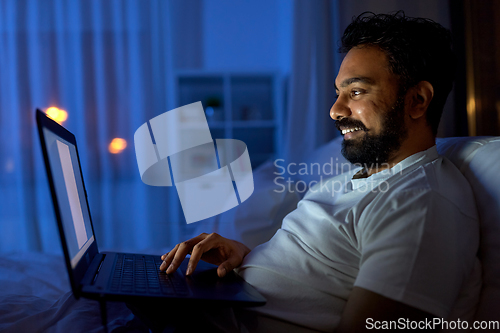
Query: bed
{"x": 35, "y": 295}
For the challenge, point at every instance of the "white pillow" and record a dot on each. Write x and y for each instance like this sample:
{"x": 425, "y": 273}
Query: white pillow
{"x": 257, "y": 219}
{"x": 478, "y": 159}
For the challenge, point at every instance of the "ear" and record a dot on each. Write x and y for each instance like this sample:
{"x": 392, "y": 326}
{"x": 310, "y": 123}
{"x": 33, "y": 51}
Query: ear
{"x": 420, "y": 97}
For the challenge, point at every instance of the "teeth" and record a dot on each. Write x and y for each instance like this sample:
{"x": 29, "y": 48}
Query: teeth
{"x": 350, "y": 130}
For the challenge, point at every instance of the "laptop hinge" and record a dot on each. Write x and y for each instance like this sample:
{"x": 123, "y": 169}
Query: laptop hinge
{"x": 98, "y": 270}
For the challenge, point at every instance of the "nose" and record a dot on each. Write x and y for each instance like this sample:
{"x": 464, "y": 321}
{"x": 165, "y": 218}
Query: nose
{"x": 339, "y": 109}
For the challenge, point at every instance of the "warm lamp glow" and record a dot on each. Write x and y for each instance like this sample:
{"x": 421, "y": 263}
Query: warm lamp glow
{"x": 57, "y": 114}
{"x": 117, "y": 145}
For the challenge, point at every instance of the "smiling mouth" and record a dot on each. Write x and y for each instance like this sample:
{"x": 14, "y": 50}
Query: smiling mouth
{"x": 349, "y": 130}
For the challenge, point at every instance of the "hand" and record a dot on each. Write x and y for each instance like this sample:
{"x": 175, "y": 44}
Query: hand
{"x": 215, "y": 249}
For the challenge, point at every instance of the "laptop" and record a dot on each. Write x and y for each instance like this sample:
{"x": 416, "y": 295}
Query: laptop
{"x": 114, "y": 276}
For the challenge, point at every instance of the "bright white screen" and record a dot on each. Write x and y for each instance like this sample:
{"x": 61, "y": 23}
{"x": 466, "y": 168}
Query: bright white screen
{"x": 71, "y": 199}
{"x": 72, "y": 191}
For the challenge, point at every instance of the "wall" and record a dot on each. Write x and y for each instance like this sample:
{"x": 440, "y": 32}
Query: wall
{"x": 436, "y": 10}
{"x": 251, "y": 35}
{"x": 232, "y": 35}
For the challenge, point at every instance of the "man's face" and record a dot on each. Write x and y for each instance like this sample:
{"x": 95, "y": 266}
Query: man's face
{"x": 370, "y": 108}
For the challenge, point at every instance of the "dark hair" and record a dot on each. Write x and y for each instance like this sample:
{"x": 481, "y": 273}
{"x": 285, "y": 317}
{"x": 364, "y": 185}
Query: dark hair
{"x": 417, "y": 49}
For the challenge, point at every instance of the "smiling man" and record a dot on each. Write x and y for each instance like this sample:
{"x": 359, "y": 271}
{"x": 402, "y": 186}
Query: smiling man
{"x": 369, "y": 256}
{"x": 370, "y": 109}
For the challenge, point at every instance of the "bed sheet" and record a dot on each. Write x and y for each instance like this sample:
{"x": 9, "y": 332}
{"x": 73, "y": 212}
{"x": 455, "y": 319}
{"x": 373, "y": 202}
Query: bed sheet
{"x": 35, "y": 296}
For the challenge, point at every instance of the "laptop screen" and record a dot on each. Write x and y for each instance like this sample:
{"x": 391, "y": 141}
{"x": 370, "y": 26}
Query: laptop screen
{"x": 70, "y": 193}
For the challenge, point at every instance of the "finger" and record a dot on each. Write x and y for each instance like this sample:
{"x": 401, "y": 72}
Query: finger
{"x": 182, "y": 250}
{"x": 221, "y": 271}
{"x": 234, "y": 260}
{"x": 167, "y": 258}
{"x": 228, "y": 265}
{"x": 209, "y": 243}
{"x": 164, "y": 256}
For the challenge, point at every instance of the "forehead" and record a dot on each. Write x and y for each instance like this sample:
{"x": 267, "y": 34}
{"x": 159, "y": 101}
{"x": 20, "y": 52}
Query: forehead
{"x": 368, "y": 63}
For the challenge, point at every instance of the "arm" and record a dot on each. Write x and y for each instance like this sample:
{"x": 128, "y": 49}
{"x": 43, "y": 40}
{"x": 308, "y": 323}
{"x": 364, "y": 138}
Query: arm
{"x": 212, "y": 248}
{"x": 419, "y": 250}
{"x": 364, "y": 308}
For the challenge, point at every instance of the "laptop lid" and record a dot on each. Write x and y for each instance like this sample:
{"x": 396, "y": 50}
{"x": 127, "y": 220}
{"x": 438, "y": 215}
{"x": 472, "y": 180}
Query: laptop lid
{"x": 77, "y": 235}
{"x": 62, "y": 163}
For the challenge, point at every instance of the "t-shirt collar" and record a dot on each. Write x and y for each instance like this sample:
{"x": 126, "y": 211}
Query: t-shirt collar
{"x": 375, "y": 179}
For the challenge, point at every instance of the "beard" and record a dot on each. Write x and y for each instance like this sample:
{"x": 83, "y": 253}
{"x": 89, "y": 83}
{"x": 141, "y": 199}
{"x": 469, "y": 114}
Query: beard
{"x": 373, "y": 150}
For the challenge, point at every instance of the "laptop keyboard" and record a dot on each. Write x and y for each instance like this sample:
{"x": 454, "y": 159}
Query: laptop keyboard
{"x": 141, "y": 274}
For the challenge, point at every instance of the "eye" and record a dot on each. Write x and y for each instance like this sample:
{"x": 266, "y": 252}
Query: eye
{"x": 356, "y": 92}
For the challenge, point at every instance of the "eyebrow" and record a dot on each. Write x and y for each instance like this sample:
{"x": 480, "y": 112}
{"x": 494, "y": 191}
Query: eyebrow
{"x": 349, "y": 81}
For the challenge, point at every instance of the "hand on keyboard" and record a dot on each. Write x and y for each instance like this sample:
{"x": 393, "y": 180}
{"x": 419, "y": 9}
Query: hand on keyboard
{"x": 212, "y": 248}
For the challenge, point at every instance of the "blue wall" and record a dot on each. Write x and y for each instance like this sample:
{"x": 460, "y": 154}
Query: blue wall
{"x": 249, "y": 35}
{"x": 225, "y": 35}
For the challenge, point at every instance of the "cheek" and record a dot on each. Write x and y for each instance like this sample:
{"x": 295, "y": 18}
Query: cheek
{"x": 368, "y": 114}
{"x": 361, "y": 110}
{"x": 377, "y": 116}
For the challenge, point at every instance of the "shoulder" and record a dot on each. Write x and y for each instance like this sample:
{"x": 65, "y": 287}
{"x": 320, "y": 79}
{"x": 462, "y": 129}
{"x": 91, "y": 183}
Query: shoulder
{"x": 437, "y": 180}
{"x": 433, "y": 197}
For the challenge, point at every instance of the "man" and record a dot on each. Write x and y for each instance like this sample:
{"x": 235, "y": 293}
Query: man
{"x": 397, "y": 243}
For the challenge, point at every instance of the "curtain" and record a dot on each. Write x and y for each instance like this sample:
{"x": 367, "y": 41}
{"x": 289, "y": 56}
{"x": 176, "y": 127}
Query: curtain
{"x": 106, "y": 63}
{"x": 109, "y": 65}
{"x": 315, "y": 61}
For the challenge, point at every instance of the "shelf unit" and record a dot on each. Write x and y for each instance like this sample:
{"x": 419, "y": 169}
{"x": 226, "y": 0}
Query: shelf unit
{"x": 238, "y": 105}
